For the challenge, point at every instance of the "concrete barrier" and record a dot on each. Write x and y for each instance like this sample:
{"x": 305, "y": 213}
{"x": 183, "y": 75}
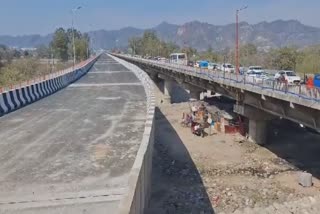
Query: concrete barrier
{"x": 23, "y": 94}
{"x": 138, "y": 196}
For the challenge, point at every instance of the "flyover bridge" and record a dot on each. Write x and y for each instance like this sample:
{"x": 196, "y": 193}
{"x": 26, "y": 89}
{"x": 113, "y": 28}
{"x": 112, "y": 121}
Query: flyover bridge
{"x": 73, "y": 151}
{"x": 258, "y": 100}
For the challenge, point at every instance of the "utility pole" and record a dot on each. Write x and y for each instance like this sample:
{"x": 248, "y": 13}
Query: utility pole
{"x": 72, "y": 28}
{"x": 237, "y": 38}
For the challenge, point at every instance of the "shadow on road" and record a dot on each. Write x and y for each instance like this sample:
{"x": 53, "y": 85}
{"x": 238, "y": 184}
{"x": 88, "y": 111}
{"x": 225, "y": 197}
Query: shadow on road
{"x": 296, "y": 145}
{"x": 177, "y": 187}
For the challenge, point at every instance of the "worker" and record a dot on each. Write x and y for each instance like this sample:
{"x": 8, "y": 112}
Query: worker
{"x": 310, "y": 83}
{"x": 211, "y": 123}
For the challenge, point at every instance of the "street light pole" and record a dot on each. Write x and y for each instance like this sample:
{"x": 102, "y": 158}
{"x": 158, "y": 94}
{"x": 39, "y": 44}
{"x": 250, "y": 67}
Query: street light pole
{"x": 237, "y": 38}
{"x": 73, "y": 42}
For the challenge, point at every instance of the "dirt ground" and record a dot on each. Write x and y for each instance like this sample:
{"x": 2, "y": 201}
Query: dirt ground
{"x": 220, "y": 174}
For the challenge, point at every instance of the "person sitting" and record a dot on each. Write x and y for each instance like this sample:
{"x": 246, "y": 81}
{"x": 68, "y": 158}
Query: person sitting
{"x": 186, "y": 120}
{"x": 197, "y": 129}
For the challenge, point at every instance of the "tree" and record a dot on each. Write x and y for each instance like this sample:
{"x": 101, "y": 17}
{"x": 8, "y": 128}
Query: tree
{"x": 135, "y": 44}
{"x": 191, "y": 52}
{"x": 82, "y": 48}
{"x": 26, "y": 53}
{"x": 59, "y": 44}
{"x": 43, "y": 51}
{"x": 285, "y": 58}
{"x": 150, "y": 45}
{"x": 249, "y": 55}
{"x": 310, "y": 62}
{"x": 16, "y": 54}
{"x": 209, "y": 55}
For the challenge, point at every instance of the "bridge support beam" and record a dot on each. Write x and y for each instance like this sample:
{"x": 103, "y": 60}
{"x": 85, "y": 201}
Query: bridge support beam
{"x": 195, "y": 94}
{"x": 258, "y": 122}
{"x": 168, "y": 85}
{"x": 258, "y": 131}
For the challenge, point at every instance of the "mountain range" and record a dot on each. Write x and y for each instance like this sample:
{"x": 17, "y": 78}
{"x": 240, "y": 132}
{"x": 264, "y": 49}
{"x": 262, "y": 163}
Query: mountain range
{"x": 196, "y": 34}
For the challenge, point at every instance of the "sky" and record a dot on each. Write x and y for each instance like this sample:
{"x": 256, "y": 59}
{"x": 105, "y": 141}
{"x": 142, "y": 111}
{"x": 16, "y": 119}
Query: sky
{"x": 21, "y": 17}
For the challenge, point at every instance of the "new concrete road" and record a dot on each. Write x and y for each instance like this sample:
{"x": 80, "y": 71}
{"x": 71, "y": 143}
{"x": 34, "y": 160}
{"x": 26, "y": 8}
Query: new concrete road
{"x": 72, "y": 152}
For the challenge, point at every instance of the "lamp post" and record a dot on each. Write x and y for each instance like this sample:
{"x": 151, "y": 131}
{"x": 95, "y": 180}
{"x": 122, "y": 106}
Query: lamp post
{"x": 237, "y": 38}
{"x": 90, "y": 48}
{"x": 73, "y": 44}
{"x": 117, "y": 49}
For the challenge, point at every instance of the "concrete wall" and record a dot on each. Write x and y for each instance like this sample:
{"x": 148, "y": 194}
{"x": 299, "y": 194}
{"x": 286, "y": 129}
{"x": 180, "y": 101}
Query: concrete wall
{"x": 138, "y": 196}
{"x": 24, "y": 94}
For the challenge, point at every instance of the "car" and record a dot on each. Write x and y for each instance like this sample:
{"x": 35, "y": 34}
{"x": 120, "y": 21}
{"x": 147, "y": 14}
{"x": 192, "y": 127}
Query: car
{"x": 227, "y": 68}
{"x": 256, "y": 68}
{"x": 256, "y": 76}
{"x": 197, "y": 64}
{"x": 162, "y": 59}
{"x": 316, "y": 80}
{"x": 288, "y": 76}
{"x": 203, "y": 64}
{"x": 212, "y": 66}
{"x": 179, "y": 58}
{"x": 190, "y": 63}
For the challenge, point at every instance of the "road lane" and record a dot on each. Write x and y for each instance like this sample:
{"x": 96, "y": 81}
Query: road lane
{"x": 71, "y": 152}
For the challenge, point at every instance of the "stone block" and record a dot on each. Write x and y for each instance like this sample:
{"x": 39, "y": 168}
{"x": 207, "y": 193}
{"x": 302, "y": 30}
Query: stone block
{"x": 305, "y": 179}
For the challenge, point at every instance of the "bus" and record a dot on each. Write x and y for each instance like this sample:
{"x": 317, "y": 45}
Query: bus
{"x": 179, "y": 58}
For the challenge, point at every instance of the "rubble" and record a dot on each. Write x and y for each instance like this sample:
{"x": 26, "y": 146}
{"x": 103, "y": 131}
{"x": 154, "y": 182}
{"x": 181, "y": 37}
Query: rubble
{"x": 211, "y": 177}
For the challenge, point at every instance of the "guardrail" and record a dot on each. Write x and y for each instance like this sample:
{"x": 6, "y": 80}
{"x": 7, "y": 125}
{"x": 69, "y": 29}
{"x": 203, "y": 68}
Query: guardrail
{"x": 20, "y": 95}
{"x": 301, "y": 91}
{"x": 137, "y": 198}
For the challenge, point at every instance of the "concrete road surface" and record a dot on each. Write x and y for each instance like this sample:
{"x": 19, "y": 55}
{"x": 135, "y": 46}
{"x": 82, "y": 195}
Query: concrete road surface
{"x": 71, "y": 152}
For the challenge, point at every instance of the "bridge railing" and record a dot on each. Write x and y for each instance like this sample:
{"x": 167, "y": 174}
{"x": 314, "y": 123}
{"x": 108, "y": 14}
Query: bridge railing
{"x": 300, "y": 90}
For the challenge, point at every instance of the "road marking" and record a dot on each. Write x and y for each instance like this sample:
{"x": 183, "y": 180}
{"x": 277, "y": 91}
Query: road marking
{"x": 108, "y": 72}
{"x": 65, "y": 199}
{"x": 108, "y": 63}
{"x": 108, "y": 98}
{"x": 104, "y": 84}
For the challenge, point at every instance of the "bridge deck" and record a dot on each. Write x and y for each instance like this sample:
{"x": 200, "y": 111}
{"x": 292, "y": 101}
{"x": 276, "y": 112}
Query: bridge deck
{"x": 71, "y": 152}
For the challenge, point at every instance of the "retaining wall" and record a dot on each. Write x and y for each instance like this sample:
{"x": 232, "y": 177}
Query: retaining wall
{"x": 23, "y": 94}
{"x": 138, "y": 196}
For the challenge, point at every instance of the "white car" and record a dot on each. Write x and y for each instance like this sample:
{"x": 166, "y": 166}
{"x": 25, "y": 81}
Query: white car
{"x": 255, "y": 68}
{"x": 289, "y": 76}
{"x": 256, "y": 76}
{"x": 227, "y": 68}
{"x": 212, "y": 66}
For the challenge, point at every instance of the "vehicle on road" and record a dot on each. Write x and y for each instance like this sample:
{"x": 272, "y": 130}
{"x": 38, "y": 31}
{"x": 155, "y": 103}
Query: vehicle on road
{"x": 203, "y": 64}
{"x": 289, "y": 76}
{"x": 179, "y": 58}
{"x": 227, "y": 68}
{"x": 212, "y": 66}
{"x": 255, "y": 68}
{"x": 190, "y": 63}
{"x": 316, "y": 80}
{"x": 256, "y": 76}
{"x": 162, "y": 59}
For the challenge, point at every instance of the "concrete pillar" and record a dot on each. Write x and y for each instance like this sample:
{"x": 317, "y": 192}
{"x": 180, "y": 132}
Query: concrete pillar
{"x": 195, "y": 94}
{"x": 258, "y": 131}
{"x": 168, "y": 84}
{"x": 258, "y": 122}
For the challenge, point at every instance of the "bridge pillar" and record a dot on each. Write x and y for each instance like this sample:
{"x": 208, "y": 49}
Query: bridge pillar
{"x": 195, "y": 94}
{"x": 168, "y": 84}
{"x": 258, "y": 131}
{"x": 258, "y": 122}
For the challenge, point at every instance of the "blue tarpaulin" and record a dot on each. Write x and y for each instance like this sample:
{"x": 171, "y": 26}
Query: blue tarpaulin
{"x": 317, "y": 80}
{"x": 203, "y": 64}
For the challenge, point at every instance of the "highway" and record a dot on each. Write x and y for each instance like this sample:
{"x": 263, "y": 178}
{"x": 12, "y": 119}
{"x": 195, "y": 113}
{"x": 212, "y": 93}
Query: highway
{"x": 72, "y": 151}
